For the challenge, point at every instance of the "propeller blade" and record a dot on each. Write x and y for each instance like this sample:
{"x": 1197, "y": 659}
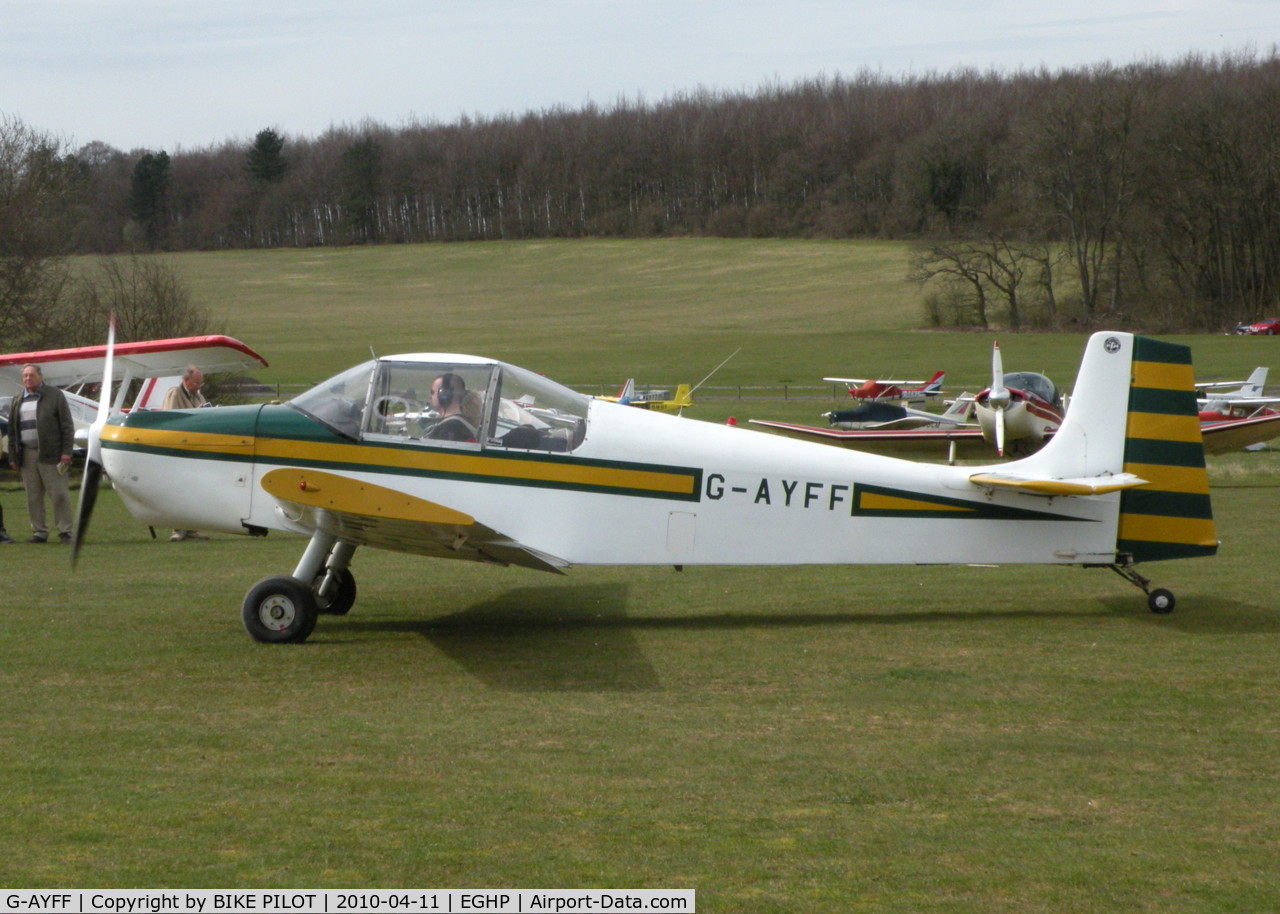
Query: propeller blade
{"x": 997, "y": 374}
{"x": 88, "y": 498}
{"x": 93, "y": 461}
{"x": 998, "y": 397}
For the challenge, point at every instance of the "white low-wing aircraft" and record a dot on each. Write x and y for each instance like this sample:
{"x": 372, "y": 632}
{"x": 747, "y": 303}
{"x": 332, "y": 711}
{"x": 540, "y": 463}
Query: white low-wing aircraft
{"x": 549, "y": 478}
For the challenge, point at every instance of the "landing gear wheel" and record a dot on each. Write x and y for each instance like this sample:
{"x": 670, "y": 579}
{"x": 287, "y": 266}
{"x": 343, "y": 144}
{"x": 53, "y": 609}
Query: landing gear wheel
{"x": 1161, "y": 601}
{"x": 342, "y": 595}
{"x": 279, "y": 610}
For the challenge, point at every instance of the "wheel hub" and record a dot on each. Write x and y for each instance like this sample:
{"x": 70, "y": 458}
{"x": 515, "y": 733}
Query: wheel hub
{"x": 277, "y": 612}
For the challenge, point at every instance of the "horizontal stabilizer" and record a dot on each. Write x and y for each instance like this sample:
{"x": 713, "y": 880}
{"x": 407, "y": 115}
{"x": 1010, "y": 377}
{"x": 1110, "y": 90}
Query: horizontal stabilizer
{"x": 1039, "y": 485}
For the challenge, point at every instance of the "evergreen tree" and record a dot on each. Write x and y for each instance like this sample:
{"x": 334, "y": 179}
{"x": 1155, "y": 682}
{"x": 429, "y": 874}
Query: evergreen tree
{"x": 147, "y": 190}
{"x": 361, "y": 169}
{"x": 266, "y": 163}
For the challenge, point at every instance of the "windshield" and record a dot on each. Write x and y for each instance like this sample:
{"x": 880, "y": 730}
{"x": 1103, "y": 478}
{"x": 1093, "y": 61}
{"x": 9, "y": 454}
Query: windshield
{"x": 451, "y": 403}
{"x": 339, "y": 402}
{"x": 1037, "y": 384}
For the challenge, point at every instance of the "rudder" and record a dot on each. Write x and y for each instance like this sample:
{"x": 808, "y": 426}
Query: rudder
{"x": 1172, "y": 516}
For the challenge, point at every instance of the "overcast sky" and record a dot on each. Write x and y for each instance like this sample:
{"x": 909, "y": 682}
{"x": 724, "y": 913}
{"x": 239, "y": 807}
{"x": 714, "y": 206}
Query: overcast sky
{"x": 188, "y": 74}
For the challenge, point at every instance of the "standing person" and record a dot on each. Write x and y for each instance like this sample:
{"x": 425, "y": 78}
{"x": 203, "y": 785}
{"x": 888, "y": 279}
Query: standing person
{"x": 186, "y": 395}
{"x": 41, "y": 438}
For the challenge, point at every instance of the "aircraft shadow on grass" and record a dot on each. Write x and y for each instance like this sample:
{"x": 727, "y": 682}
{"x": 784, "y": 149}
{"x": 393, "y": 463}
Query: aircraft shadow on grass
{"x": 581, "y": 638}
{"x": 1211, "y": 616}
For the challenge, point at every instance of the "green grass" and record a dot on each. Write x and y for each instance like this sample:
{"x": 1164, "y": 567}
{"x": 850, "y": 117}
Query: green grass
{"x": 794, "y": 739}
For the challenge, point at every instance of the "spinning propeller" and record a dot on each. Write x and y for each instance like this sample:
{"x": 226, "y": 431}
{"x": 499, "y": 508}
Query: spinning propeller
{"x": 93, "y": 461}
{"x": 999, "y": 398}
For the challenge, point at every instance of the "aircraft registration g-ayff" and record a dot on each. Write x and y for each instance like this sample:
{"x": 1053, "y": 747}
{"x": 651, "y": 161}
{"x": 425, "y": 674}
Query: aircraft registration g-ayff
{"x": 552, "y": 478}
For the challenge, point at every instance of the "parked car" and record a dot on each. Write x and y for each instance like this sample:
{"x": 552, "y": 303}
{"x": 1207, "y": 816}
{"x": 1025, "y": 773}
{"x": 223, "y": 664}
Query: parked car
{"x": 1268, "y": 327}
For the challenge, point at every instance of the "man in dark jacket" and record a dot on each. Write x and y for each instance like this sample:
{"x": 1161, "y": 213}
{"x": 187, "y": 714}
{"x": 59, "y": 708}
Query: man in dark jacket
{"x": 41, "y": 436}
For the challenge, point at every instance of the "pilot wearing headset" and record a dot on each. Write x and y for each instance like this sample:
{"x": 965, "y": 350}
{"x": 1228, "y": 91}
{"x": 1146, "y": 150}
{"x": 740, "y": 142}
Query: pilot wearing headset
{"x": 447, "y": 393}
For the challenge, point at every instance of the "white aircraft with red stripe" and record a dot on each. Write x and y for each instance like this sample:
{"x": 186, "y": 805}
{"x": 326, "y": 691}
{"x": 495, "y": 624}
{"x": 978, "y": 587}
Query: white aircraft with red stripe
{"x": 1019, "y": 410}
{"x": 156, "y": 364}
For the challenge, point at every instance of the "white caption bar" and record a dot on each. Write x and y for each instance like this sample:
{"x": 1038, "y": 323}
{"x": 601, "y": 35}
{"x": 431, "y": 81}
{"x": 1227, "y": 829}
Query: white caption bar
{"x": 358, "y": 901}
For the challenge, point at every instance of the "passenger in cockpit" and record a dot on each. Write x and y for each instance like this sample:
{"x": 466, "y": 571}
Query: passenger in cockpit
{"x": 448, "y": 392}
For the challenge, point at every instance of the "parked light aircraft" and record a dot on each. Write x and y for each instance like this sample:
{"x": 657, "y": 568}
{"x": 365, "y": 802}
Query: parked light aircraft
{"x": 1251, "y": 389}
{"x": 1019, "y": 409}
{"x": 877, "y": 414}
{"x": 884, "y": 389}
{"x": 1224, "y": 429}
{"x": 1240, "y": 419}
{"x": 158, "y": 364}
{"x": 660, "y": 400}
{"x": 555, "y": 478}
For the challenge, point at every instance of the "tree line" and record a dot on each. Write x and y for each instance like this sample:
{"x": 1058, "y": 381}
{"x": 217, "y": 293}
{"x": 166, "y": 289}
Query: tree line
{"x": 1145, "y": 193}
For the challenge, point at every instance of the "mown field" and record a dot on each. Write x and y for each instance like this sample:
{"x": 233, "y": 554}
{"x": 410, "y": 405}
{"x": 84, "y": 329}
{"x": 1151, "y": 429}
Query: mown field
{"x": 802, "y": 739}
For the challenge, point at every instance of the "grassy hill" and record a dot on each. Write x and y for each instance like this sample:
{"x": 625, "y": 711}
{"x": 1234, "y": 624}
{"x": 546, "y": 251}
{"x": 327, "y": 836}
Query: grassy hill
{"x": 592, "y": 313}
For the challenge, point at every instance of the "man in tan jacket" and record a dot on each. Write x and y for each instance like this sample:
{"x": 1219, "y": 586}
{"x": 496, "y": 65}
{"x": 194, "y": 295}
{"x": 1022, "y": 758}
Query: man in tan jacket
{"x": 186, "y": 396}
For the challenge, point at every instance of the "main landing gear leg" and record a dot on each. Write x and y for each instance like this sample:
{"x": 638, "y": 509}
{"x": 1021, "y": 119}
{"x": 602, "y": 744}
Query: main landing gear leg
{"x": 283, "y": 610}
{"x": 335, "y": 586}
{"x": 1159, "y": 600}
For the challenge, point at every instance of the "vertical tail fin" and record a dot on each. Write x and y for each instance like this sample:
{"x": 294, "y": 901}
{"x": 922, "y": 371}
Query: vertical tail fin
{"x": 1133, "y": 411}
{"x": 1172, "y": 516}
{"x": 933, "y": 386}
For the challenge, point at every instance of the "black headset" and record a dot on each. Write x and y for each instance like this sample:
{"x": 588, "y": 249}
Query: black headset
{"x": 449, "y": 383}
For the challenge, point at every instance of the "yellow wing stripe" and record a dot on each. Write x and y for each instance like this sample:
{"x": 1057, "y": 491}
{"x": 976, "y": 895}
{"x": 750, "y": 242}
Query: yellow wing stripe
{"x": 344, "y": 495}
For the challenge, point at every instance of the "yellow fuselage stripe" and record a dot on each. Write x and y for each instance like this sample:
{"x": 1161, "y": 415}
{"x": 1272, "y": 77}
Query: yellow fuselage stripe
{"x": 285, "y": 450}
{"x": 871, "y": 501}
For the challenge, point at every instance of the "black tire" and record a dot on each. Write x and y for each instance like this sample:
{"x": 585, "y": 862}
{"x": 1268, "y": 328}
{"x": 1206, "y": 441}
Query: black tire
{"x": 1161, "y": 601}
{"x": 342, "y": 600}
{"x": 279, "y": 610}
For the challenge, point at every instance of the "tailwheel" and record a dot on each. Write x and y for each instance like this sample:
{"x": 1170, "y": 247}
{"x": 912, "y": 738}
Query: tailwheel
{"x": 279, "y": 610}
{"x": 1159, "y": 600}
{"x": 335, "y": 592}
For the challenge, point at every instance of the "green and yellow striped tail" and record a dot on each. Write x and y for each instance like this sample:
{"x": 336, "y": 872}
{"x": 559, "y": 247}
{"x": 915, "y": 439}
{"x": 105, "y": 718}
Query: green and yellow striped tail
{"x": 1170, "y": 518}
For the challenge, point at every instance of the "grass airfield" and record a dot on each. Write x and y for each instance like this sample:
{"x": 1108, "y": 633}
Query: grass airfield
{"x": 796, "y": 739}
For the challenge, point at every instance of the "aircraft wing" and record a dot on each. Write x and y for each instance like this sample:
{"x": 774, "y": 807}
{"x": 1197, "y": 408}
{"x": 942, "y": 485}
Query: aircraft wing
{"x": 935, "y": 442}
{"x": 372, "y": 515}
{"x": 1238, "y": 434}
{"x": 1237, "y": 402}
{"x": 865, "y": 380}
{"x": 146, "y": 359}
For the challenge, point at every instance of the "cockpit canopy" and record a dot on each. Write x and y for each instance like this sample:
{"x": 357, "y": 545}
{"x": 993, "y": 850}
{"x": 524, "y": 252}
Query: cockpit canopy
{"x": 1034, "y": 383}
{"x": 477, "y": 404}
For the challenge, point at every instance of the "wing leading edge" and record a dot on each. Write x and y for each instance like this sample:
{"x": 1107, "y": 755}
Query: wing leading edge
{"x": 372, "y": 515}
